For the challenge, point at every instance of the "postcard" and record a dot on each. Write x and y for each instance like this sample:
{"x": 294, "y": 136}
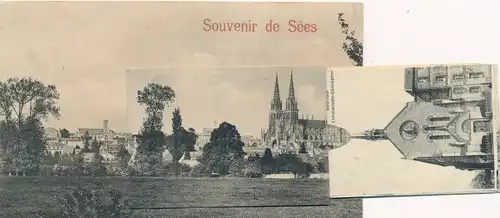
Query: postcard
{"x": 415, "y": 130}
{"x": 123, "y": 107}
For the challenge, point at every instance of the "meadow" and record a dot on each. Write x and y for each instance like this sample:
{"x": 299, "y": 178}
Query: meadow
{"x": 185, "y": 197}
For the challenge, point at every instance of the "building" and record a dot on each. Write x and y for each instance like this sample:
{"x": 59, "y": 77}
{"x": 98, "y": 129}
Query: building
{"x": 204, "y": 137}
{"x": 449, "y": 122}
{"x": 53, "y": 143}
{"x": 286, "y": 131}
{"x": 54, "y": 146}
{"x": 100, "y": 134}
{"x": 52, "y": 134}
{"x": 250, "y": 141}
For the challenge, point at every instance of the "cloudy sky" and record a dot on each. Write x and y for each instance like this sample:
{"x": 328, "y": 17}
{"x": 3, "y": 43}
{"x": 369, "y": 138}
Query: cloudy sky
{"x": 84, "y": 48}
{"x": 239, "y": 95}
{"x": 369, "y": 98}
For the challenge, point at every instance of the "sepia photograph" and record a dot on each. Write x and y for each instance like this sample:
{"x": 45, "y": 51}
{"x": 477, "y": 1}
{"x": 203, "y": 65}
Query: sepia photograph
{"x": 415, "y": 130}
{"x": 239, "y": 129}
{"x": 87, "y": 129}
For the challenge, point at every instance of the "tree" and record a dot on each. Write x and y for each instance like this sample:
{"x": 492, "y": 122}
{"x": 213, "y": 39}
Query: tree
{"x": 253, "y": 170}
{"x": 30, "y": 150}
{"x": 149, "y": 153}
{"x": 224, "y": 147}
{"x": 351, "y": 45}
{"x": 7, "y": 146}
{"x": 182, "y": 141}
{"x": 321, "y": 167}
{"x": 237, "y": 167}
{"x": 177, "y": 150}
{"x": 95, "y": 146}
{"x": 86, "y": 141}
{"x": 267, "y": 162}
{"x": 155, "y": 97}
{"x": 253, "y": 157}
{"x": 64, "y": 133}
{"x": 123, "y": 157}
{"x": 190, "y": 138}
{"x": 97, "y": 166}
{"x": 302, "y": 170}
{"x": 77, "y": 164}
{"x": 151, "y": 139}
{"x": 57, "y": 156}
{"x": 291, "y": 163}
{"x": 47, "y": 164}
{"x": 24, "y": 103}
{"x": 28, "y": 98}
{"x": 302, "y": 148}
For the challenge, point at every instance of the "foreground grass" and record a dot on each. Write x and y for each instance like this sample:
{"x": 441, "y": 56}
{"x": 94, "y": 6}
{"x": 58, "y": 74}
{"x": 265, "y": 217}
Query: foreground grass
{"x": 155, "y": 197}
{"x": 341, "y": 209}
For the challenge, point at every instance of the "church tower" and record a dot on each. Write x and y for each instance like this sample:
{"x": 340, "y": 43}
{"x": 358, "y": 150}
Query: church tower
{"x": 276, "y": 107}
{"x": 291, "y": 113}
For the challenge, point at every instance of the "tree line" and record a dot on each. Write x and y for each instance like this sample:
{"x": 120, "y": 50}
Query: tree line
{"x": 223, "y": 155}
{"x": 26, "y": 102}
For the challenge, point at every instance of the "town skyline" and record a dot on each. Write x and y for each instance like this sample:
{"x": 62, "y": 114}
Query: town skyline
{"x": 232, "y": 94}
{"x": 311, "y": 97}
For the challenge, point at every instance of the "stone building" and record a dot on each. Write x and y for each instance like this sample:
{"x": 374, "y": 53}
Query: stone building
{"x": 450, "y": 120}
{"x": 286, "y": 132}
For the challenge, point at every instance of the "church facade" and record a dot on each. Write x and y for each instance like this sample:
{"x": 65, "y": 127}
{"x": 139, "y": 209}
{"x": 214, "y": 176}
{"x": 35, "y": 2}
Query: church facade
{"x": 286, "y": 132}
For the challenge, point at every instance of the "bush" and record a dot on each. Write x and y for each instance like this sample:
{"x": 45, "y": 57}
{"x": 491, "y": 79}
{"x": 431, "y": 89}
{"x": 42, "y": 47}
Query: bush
{"x": 47, "y": 170}
{"x": 200, "y": 171}
{"x": 176, "y": 169}
{"x": 302, "y": 170}
{"x": 322, "y": 165}
{"x": 482, "y": 181}
{"x": 91, "y": 202}
{"x": 253, "y": 170}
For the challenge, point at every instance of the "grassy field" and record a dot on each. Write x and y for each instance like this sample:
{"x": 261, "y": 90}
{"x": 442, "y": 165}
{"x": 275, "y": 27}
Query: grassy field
{"x": 172, "y": 197}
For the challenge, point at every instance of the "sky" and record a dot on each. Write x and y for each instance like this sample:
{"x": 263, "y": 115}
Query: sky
{"x": 85, "y": 48}
{"x": 238, "y": 95}
{"x": 369, "y": 98}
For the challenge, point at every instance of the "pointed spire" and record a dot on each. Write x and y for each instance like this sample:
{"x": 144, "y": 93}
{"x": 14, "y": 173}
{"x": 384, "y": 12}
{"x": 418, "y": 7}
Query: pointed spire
{"x": 291, "y": 90}
{"x": 276, "y": 103}
{"x": 291, "y": 102}
{"x": 276, "y": 88}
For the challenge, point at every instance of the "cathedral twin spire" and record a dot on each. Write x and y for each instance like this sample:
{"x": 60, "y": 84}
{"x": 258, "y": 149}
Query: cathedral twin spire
{"x": 291, "y": 103}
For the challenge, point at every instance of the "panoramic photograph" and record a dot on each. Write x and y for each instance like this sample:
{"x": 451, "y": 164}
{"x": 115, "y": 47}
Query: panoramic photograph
{"x": 227, "y": 127}
{"x": 78, "y": 138}
{"x": 415, "y": 130}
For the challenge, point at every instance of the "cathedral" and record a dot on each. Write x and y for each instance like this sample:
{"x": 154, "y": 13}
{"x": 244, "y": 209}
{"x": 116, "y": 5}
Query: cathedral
{"x": 286, "y": 132}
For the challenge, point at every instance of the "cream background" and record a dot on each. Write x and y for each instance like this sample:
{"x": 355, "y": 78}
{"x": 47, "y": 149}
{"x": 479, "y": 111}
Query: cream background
{"x": 84, "y": 48}
{"x": 370, "y": 97}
